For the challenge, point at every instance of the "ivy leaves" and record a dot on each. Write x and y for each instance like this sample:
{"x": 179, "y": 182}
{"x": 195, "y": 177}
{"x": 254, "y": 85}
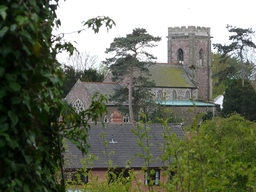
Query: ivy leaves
{"x": 30, "y": 98}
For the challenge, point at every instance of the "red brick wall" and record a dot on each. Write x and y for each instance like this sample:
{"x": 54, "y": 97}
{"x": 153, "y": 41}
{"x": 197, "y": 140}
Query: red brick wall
{"x": 101, "y": 174}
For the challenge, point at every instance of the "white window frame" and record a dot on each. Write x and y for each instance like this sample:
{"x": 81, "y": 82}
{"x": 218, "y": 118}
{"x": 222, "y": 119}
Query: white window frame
{"x": 156, "y": 176}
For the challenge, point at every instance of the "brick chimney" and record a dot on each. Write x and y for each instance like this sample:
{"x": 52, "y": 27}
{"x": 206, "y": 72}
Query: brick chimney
{"x": 116, "y": 117}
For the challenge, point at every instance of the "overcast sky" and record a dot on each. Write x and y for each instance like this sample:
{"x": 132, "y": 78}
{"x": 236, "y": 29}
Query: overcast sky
{"x": 155, "y": 17}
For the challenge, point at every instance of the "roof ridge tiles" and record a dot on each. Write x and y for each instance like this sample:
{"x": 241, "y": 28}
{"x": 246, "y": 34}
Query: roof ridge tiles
{"x": 170, "y": 63}
{"x": 101, "y": 82}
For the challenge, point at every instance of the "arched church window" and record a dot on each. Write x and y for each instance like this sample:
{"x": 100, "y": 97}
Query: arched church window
{"x": 78, "y": 105}
{"x": 180, "y": 55}
{"x": 187, "y": 95}
{"x": 126, "y": 119}
{"x": 106, "y": 119}
{"x": 174, "y": 95}
{"x": 201, "y": 57}
{"x": 159, "y": 95}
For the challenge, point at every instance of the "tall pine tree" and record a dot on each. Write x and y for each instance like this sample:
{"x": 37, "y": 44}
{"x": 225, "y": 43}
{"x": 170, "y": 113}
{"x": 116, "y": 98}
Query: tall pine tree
{"x": 129, "y": 66}
{"x": 241, "y": 39}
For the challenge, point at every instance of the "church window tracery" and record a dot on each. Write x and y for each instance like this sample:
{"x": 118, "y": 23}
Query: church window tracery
{"x": 79, "y": 106}
{"x": 159, "y": 95}
{"x": 126, "y": 119}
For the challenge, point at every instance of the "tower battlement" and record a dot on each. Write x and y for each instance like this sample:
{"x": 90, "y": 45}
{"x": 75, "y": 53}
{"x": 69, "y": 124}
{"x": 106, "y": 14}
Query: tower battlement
{"x": 201, "y": 31}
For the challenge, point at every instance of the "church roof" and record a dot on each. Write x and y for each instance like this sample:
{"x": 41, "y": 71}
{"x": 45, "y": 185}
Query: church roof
{"x": 185, "y": 103}
{"x": 170, "y": 75}
{"x": 101, "y": 87}
{"x": 123, "y": 142}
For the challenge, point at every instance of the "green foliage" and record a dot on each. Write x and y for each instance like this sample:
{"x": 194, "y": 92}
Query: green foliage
{"x": 30, "y": 98}
{"x": 72, "y": 75}
{"x": 241, "y": 43}
{"x": 162, "y": 112}
{"x": 129, "y": 65}
{"x": 219, "y": 156}
{"x": 225, "y": 71}
{"x": 241, "y": 100}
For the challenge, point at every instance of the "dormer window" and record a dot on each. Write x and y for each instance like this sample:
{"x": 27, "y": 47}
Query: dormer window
{"x": 79, "y": 106}
{"x": 201, "y": 57}
{"x": 180, "y": 56}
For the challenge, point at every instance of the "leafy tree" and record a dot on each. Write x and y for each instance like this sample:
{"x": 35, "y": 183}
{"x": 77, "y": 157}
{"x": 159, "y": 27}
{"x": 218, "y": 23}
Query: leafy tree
{"x": 220, "y": 155}
{"x": 239, "y": 99}
{"x": 241, "y": 41}
{"x": 129, "y": 65}
{"x": 72, "y": 75}
{"x": 30, "y": 97}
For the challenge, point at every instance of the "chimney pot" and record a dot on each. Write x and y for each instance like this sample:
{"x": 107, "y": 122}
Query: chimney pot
{"x": 116, "y": 117}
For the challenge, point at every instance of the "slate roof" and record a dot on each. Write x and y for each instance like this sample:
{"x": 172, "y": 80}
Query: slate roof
{"x": 124, "y": 144}
{"x": 107, "y": 88}
{"x": 101, "y": 87}
{"x": 170, "y": 75}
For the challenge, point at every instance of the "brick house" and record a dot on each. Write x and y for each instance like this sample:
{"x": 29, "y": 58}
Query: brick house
{"x": 123, "y": 142}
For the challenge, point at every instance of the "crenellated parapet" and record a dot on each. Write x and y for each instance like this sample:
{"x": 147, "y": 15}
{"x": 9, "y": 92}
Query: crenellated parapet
{"x": 198, "y": 31}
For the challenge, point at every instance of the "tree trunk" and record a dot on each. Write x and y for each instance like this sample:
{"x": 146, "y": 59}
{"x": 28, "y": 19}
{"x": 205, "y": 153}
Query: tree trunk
{"x": 130, "y": 95}
{"x": 242, "y": 63}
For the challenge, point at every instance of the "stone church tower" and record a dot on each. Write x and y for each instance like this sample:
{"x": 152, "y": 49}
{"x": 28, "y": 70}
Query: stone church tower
{"x": 192, "y": 48}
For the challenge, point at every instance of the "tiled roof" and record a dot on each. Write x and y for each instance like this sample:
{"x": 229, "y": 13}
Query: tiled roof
{"x": 103, "y": 88}
{"x": 124, "y": 145}
{"x": 170, "y": 75}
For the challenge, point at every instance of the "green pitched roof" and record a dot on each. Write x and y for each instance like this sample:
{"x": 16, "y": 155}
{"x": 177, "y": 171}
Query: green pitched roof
{"x": 170, "y": 75}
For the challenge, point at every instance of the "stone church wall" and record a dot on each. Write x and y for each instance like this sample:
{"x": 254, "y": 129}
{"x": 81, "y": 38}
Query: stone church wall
{"x": 181, "y": 93}
{"x": 78, "y": 92}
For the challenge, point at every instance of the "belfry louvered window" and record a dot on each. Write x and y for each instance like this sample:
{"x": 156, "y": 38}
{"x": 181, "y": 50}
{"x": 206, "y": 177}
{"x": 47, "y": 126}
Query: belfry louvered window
{"x": 201, "y": 57}
{"x": 78, "y": 105}
{"x": 180, "y": 55}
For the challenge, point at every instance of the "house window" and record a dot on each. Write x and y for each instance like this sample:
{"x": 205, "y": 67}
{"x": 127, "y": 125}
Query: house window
{"x": 180, "y": 56}
{"x": 152, "y": 177}
{"x": 174, "y": 95}
{"x": 201, "y": 57}
{"x": 159, "y": 95}
{"x": 118, "y": 175}
{"x": 75, "y": 177}
{"x": 171, "y": 175}
{"x": 79, "y": 106}
{"x": 187, "y": 95}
